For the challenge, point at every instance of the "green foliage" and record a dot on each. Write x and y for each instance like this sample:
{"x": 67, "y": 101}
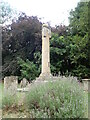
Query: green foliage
{"x": 71, "y": 54}
{"x": 28, "y": 69}
{"x": 72, "y": 50}
{"x": 1, "y": 90}
{"x": 37, "y": 60}
{"x": 9, "y": 101}
{"x": 20, "y": 39}
{"x": 81, "y": 71}
{"x": 60, "y": 48}
{"x": 79, "y": 33}
{"x": 6, "y": 12}
{"x": 69, "y": 46}
{"x": 79, "y": 19}
{"x": 59, "y": 99}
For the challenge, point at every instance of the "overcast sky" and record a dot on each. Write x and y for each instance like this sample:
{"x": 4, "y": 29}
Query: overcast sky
{"x": 53, "y": 11}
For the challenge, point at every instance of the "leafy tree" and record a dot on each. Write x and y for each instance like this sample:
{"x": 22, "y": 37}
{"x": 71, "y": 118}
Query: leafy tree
{"x": 37, "y": 60}
{"x": 79, "y": 19}
{"x": 60, "y": 30}
{"x": 59, "y": 50}
{"x": 6, "y": 12}
{"x": 28, "y": 69}
{"x": 71, "y": 50}
{"x": 69, "y": 55}
{"x": 20, "y": 39}
{"x": 79, "y": 33}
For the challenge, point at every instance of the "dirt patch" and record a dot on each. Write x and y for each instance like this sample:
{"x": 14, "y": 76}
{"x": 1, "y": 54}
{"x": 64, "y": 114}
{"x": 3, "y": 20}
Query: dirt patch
{"x": 15, "y": 114}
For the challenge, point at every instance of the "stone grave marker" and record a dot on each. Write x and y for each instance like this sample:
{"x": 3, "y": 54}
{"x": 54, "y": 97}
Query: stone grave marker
{"x": 24, "y": 83}
{"x": 10, "y": 85}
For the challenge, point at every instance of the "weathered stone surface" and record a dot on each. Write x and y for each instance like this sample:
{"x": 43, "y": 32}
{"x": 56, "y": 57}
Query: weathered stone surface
{"x": 46, "y": 35}
{"x": 86, "y": 84}
{"x": 23, "y": 89}
{"x": 10, "y": 85}
{"x": 24, "y": 83}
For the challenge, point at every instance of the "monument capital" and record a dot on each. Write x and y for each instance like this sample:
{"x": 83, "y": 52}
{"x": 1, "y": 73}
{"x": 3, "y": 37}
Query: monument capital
{"x": 45, "y": 25}
{"x": 46, "y": 31}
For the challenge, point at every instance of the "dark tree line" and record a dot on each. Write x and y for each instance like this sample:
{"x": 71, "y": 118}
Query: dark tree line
{"x": 21, "y": 39}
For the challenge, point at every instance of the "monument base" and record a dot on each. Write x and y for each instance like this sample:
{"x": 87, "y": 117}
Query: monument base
{"x": 44, "y": 77}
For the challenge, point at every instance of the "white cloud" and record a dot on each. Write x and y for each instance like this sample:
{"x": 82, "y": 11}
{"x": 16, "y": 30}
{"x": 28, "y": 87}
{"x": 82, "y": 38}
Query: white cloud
{"x": 54, "y": 11}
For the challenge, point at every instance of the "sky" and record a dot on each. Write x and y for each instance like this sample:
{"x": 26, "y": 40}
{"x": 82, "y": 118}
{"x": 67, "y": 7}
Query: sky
{"x": 53, "y": 11}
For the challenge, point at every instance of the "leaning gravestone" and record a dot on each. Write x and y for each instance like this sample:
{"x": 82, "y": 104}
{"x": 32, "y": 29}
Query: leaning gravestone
{"x": 24, "y": 83}
{"x": 10, "y": 85}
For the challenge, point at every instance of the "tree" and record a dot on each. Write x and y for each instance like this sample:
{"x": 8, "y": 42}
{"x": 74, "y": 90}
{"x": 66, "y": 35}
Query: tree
{"x": 79, "y": 33}
{"x": 28, "y": 69}
{"x": 6, "y": 12}
{"x": 59, "y": 47}
{"x": 79, "y": 19}
{"x": 71, "y": 47}
{"x": 20, "y": 39}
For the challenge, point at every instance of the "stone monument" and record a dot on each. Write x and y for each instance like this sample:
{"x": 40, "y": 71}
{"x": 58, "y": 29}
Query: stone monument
{"x": 24, "y": 83}
{"x": 10, "y": 85}
{"x": 46, "y": 35}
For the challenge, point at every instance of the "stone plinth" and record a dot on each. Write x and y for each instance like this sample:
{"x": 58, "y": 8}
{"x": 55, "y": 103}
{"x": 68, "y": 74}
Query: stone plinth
{"x": 10, "y": 85}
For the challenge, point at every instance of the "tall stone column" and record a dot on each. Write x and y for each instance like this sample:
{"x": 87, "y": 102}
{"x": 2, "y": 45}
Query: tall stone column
{"x": 46, "y": 35}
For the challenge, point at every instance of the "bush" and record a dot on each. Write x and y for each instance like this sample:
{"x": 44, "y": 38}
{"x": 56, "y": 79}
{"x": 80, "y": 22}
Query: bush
{"x": 28, "y": 69}
{"x": 59, "y": 99}
{"x": 1, "y": 88}
{"x": 9, "y": 101}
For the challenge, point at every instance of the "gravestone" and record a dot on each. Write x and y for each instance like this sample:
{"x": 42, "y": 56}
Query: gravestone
{"x": 86, "y": 84}
{"x": 10, "y": 85}
{"x": 24, "y": 83}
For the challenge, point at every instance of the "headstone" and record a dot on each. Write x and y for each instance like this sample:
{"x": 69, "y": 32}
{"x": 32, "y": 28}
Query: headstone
{"x": 86, "y": 84}
{"x": 10, "y": 85}
{"x": 24, "y": 83}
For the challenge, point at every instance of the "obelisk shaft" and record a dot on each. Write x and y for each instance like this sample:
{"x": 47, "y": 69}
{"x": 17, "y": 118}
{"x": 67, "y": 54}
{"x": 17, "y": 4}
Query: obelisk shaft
{"x": 46, "y": 34}
{"x": 45, "y": 55}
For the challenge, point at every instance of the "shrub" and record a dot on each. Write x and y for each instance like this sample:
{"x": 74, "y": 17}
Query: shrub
{"x": 9, "y": 101}
{"x": 1, "y": 87}
{"x": 28, "y": 69}
{"x": 59, "y": 99}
